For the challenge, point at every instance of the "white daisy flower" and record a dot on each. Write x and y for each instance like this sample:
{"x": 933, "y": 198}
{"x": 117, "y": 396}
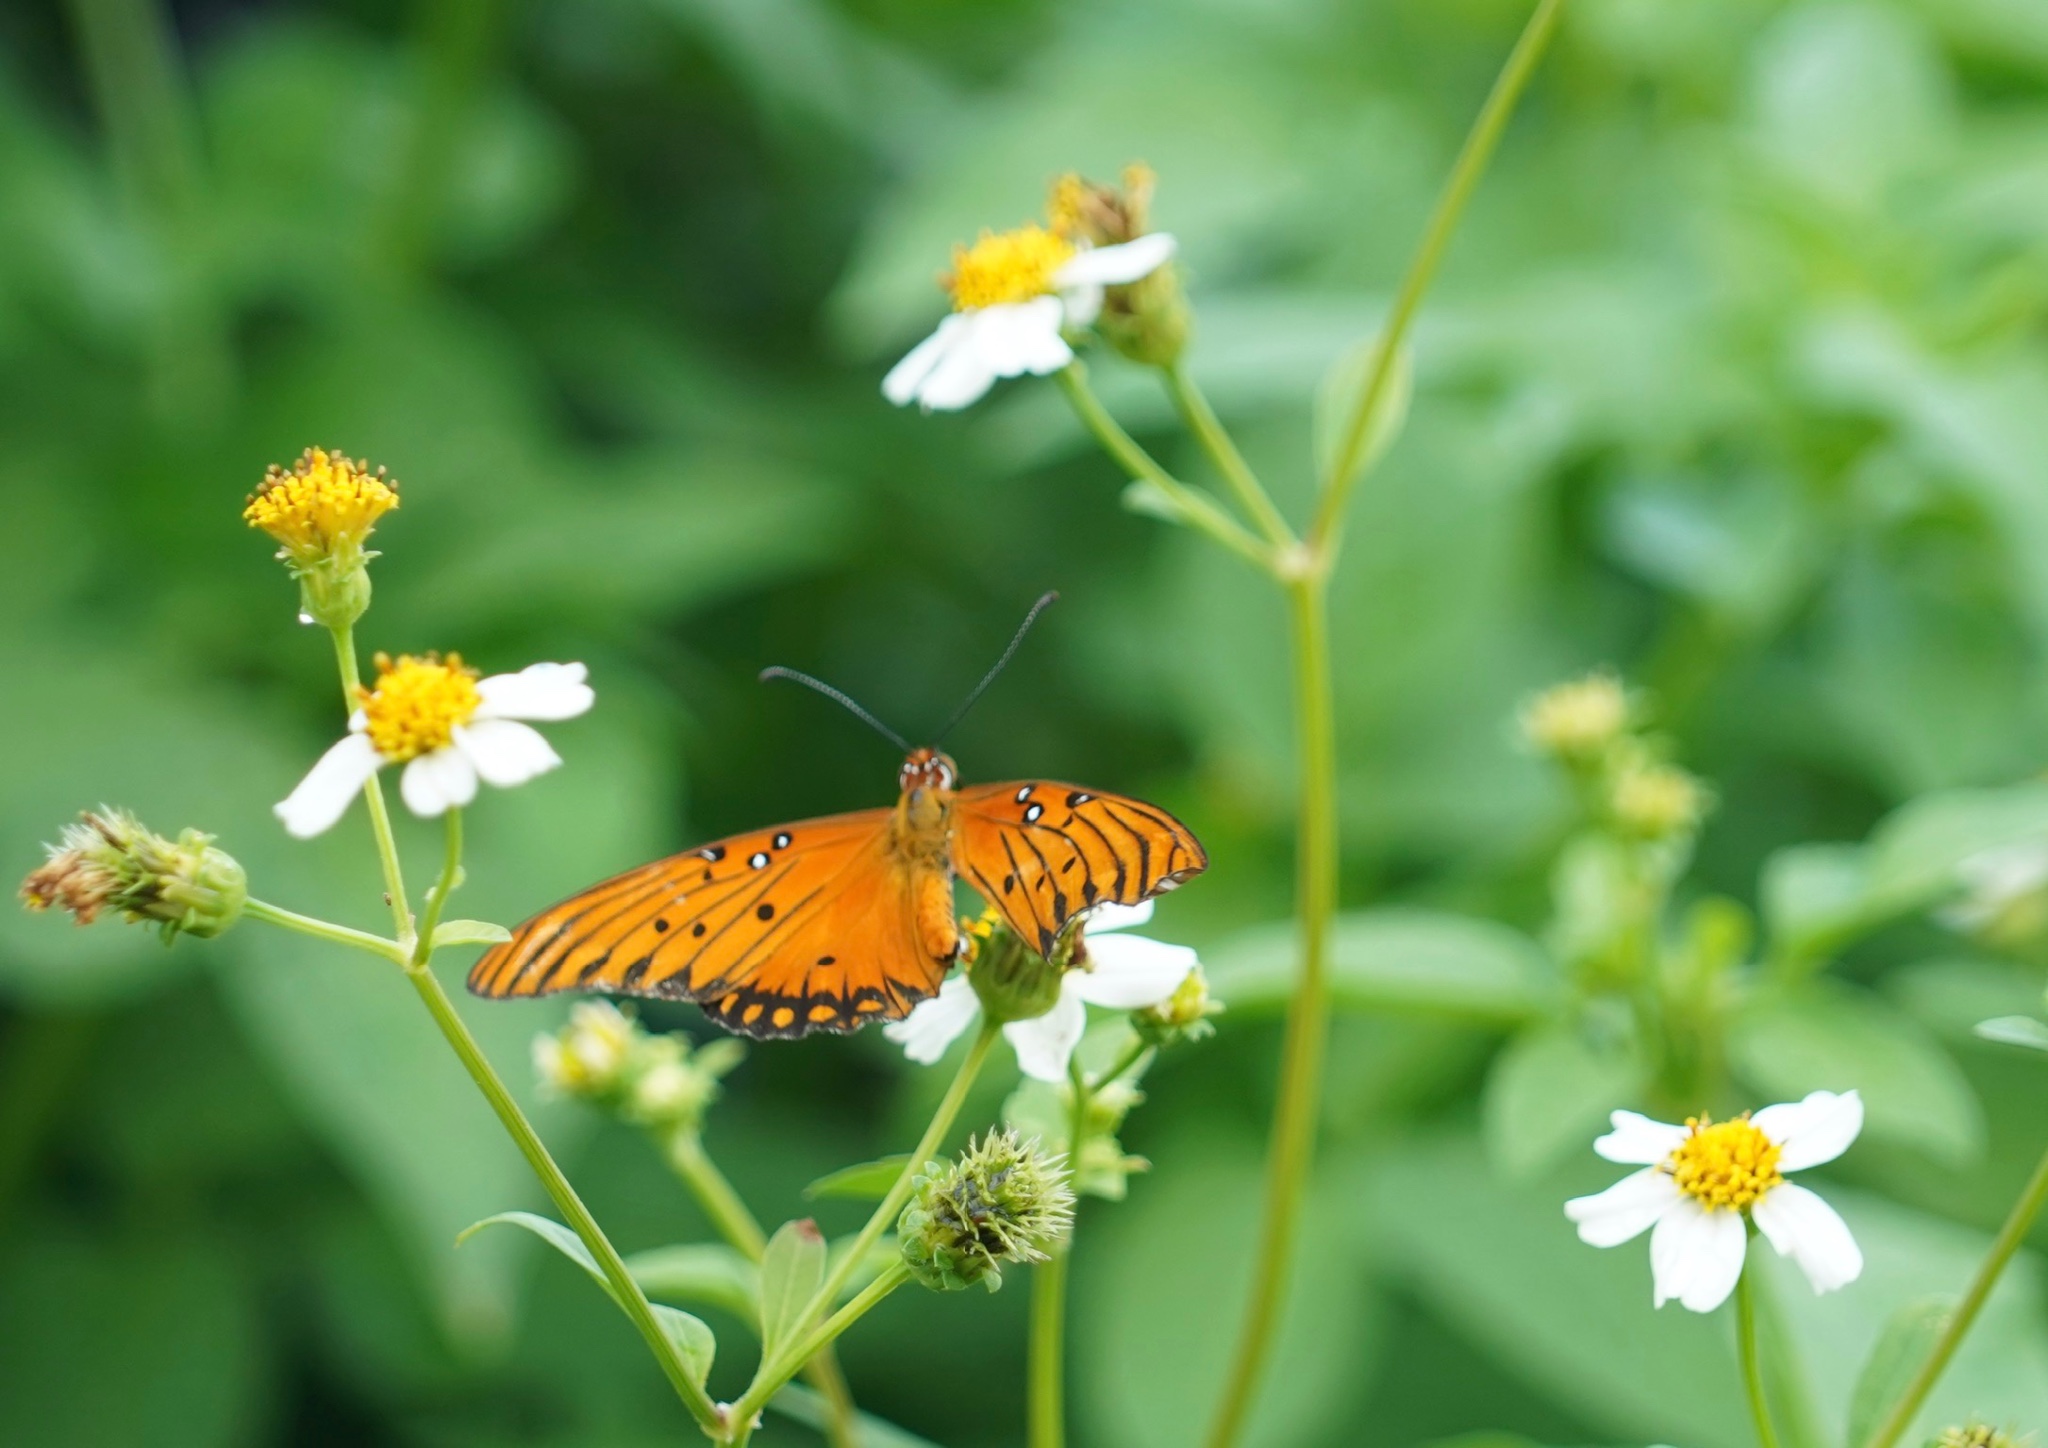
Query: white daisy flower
{"x": 1123, "y": 973}
{"x": 1014, "y": 292}
{"x": 447, "y": 727}
{"x": 1702, "y": 1179}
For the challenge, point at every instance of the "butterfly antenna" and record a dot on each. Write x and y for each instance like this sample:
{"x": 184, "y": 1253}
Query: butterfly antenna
{"x": 840, "y": 697}
{"x": 1045, "y": 600}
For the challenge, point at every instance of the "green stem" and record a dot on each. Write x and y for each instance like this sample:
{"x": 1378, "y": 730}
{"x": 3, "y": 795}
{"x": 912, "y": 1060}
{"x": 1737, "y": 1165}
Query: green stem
{"x": 1138, "y": 1052}
{"x": 451, "y": 872}
{"x": 1186, "y": 505}
{"x": 1752, "y": 1365}
{"x": 1222, "y": 450}
{"x": 934, "y": 1137}
{"x": 324, "y": 930}
{"x": 773, "y": 1375}
{"x": 373, "y": 796}
{"x": 1046, "y": 1407}
{"x": 1308, "y": 1012}
{"x": 2007, "y": 1242}
{"x": 736, "y": 1223}
{"x": 1443, "y": 222}
{"x": 624, "y": 1288}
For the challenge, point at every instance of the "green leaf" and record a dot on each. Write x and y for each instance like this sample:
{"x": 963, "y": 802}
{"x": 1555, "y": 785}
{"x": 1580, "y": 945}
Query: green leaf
{"x": 1828, "y": 1036}
{"x": 469, "y": 932}
{"x": 1394, "y": 959}
{"x": 807, "y": 1406}
{"x": 868, "y": 1181}
{"x": 1337, "y": 399}
{"x": 2015, "y": 1031}
{"x": 692, "y": 1339}
{"x": 792, "y": 1269}
{"x": 1551, "y": 1089}
{"x": 1901, "y": 1348}
{"x": 709, "y": 1273}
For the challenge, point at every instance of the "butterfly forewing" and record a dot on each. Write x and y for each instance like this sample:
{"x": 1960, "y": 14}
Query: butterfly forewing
{"x": 1042, "y": 852}
{"x": 817, "y": 925}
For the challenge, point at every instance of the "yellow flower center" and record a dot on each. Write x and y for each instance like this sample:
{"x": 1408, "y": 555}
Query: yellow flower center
{"x": 976, "y": 932}
{"x": 417, "y": 704}
{"x": 1731, "y": 1164}
{"x": 1008, "y": 266}
{"x": 325, "y": 503}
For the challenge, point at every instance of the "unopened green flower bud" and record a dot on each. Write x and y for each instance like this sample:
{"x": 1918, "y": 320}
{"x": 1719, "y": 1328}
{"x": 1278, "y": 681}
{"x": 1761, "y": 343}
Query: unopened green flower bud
{"x": 1182, "y": 1016}
{"x": 1656, "y": 801}
{"x": 673, "y": 1085}
{"x": 1002, "y": 1201}
{"x": 588, "y": 1056}
{"x": 1576, "y": 723}
{"x": 1147, "y": 320}
{"x": 1014, "y": 982}
{"x": 109, "y": 861}
{"x": 1974, "y": 1434}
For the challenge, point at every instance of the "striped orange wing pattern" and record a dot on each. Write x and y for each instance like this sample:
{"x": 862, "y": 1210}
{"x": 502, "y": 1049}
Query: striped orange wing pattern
{"x": 819, "y": 925}
{"x": 1042, "y": 852}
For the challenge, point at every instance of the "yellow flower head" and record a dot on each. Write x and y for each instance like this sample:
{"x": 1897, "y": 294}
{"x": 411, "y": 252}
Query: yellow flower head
{"x": 1730, "y": 1164}
{"x": 1657, "y": 801}
{"x": 324, "y": 506}
{"x": 1007, "y": 266}
{"x": 417, "y": 704}
{"x": 1577, "y": 721}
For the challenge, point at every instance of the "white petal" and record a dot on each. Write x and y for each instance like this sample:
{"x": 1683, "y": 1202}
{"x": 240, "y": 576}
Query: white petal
{"x": 1023, "y": 337}
{"x": 505, "y": 752}
{"x": 1111, "y": 916}
{"x": 1625, "y": 1210}
{"x": 1046, "y": 1043}
{"x": 1809, "y": 1231}
{"x": 1082, "y": 305}
{"x": 1130, "y": 972}
{"x": 907, "y": 377}
{"x": 323, "y": 795}
{"x": 1812, "y": 1131}
{"x": 1116, "y": 265}
{"x": 962, "y": 374}
{"x": 1637, "y": 1140}
{"x": 539, "y": 691}
{"x": 1696, "y": 1255}
{"x": 935, "y": 1024}
{"x": 437, "y": 782}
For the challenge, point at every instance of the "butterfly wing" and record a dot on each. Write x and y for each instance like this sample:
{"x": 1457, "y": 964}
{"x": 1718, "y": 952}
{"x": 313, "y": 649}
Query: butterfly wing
{"x": 1042, "y": 852}
{"x": 819, "y": 925}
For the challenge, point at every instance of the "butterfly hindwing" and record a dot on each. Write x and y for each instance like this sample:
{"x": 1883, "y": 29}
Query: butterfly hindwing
{"x": 806, "y": 926}
{"x": 1041, "y": 852}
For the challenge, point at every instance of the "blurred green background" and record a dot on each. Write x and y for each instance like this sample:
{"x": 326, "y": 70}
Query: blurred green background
{"x": 1737, "y": 380}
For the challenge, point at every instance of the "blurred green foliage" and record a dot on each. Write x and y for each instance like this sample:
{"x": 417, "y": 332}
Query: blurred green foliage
{"x": 1737, "y": 381}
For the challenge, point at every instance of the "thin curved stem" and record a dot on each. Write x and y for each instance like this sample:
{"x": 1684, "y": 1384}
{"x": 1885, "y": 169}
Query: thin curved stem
{"x": 451, "y": 872}
{"x": 373, "y": 796}
{"x": 2010, "y": 1236}
{"x": 1046, "y": 1404}
{"x": 773, "y": 1375}
{"x": 1308, "y": 1012}
{"x": 1752, "y": 1363}
{"x": 1202, "y": 421}
{"x": 323, "y": 929}
{"x": 1182, "y": 502}
{"x": 1471, "y": 164}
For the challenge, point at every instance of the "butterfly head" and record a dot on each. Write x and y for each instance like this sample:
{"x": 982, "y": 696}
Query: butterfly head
{"x": 926, "y": 780}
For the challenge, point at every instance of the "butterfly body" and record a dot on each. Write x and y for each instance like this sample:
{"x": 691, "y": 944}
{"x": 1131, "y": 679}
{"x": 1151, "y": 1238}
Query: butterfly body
{"x": 826, "y": 924}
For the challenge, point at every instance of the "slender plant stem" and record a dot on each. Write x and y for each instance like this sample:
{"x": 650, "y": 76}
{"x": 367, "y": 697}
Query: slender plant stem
{"x": 2010, "y": 1236}
{"x": 1308, "y": 1012}
{"x": 1222, "y": 450}
{"x": 624, "y": 1288}
{"x": 1185, "y": 504}
{"x": 1471, "y": 164}
{"x": 934, "y": 1136}
{"x": 1046, "y": 1405}
{"x": 451, "y": 873}
{"x": 773, "y": 1375}
{"x": 373, "y": 796}
{"x": 1138, "y": 1052}
{"x": 733, "y": 1220}
{"x": 324, "y": 930}
{"x": 1752, "y": 1364}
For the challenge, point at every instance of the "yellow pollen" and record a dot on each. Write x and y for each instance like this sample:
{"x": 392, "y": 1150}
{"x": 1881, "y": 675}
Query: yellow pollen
{"x": 1731, "y": 1164}
{"x": 324, "y": 502}
{"x": 417, "y": 704}
{"x": 975, "y": 933}
{"x": 1008, "y": 266}
{"x": 1067, "y": 207}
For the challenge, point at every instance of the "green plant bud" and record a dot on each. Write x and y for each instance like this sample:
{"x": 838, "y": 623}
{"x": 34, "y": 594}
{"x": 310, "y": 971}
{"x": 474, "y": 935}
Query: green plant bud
{"x": 1976, "y": 1435}
{"x": 1014, "y": 982}
{"x": 1182, "y": 1016}
{"x": 110, "y": 861}
{"x": 335, "y": 594}
{"x": 1003, "y": 1201}
{"x": 1651, "y": 800}
{"x": 1148, "y": 320}
{"x": 1578, "y": 722}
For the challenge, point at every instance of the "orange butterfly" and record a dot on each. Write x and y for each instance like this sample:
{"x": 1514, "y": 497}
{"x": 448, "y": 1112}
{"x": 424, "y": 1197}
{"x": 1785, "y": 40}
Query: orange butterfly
{"x": 826, "y": 924}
